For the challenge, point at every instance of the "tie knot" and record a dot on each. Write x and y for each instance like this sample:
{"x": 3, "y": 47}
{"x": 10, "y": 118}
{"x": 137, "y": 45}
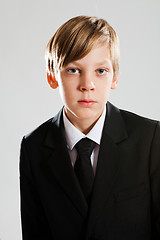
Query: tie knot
{"x": 85, "y": 147}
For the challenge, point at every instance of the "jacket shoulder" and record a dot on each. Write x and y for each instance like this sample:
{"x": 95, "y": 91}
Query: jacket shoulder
{"x": 130, "y": 117}
{"x": 121, "y": 121}
{"x": 39, "y": 133}
{"x": 135, "y": 117}
{"x": 138, "y": 123}
{"x": 39, "y": 130}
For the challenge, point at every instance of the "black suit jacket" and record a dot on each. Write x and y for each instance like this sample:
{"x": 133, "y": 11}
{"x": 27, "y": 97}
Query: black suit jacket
{"x": 125, "y": 201}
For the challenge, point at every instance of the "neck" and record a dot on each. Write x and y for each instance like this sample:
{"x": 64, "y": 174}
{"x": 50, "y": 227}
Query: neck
{"x": 85, "y": 128}
{"x": 83, "y": 125}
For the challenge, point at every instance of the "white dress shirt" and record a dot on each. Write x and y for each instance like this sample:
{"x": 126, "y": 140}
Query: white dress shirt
{"x": 74, "y": 135}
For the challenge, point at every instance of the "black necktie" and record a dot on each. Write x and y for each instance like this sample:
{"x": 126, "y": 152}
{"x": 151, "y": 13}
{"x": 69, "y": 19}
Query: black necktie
{"x": 83, "y": 167}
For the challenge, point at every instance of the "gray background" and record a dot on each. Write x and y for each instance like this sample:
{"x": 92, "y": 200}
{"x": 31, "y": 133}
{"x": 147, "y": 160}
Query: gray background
{"x": 25, "y": 97}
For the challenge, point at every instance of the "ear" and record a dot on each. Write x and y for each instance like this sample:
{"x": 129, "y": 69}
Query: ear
{"x": 115, "y": 81}
{"x": 52, "y": 80}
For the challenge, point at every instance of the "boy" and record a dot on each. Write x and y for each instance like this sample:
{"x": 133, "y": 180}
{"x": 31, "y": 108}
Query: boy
{"x": 113, "y": 192}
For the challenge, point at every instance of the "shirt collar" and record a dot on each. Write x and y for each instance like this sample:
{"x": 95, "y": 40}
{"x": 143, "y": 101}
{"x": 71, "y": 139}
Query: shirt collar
{"x": 74, "y": 135}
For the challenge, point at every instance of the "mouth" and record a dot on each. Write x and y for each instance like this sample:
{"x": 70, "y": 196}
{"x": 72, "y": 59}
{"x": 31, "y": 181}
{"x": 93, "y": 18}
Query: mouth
{"x": 86, "y": 102}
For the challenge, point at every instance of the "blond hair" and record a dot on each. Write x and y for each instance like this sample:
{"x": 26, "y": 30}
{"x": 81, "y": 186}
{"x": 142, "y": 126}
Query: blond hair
{"x": 75, "y": 39}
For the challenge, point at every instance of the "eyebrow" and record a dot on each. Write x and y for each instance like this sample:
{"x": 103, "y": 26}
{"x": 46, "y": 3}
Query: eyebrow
{"x": 102, "y": 63}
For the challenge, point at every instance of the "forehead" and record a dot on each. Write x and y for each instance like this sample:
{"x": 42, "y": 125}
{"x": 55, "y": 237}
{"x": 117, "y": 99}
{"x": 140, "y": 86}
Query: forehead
{"x": 99, "y": 54}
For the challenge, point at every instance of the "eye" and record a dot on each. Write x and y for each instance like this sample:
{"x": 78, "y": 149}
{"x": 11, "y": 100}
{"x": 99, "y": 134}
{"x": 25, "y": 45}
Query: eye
{"x": 101, "y": 71}
{"x": 73, "y": 70}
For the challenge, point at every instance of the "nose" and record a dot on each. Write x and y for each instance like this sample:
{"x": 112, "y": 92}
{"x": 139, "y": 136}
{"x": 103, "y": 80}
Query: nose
{"x": 87, "y": 83}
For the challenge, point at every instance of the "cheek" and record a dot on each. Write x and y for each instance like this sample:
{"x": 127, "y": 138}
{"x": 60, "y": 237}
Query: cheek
{"x": 62, "y": 92}
{"x": 66, "y": 93}
{"x": 104, "y": 87}
{"x": 104, "y": 90}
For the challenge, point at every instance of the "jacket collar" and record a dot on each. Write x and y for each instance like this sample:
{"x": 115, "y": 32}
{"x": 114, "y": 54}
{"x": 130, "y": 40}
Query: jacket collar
{"x": 114, "y": 125}
{"x": 53, "y": 130}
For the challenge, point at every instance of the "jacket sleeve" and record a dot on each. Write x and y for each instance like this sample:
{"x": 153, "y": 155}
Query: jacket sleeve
{"x": 155, "y": 183}
{"x": 34, "y": 223}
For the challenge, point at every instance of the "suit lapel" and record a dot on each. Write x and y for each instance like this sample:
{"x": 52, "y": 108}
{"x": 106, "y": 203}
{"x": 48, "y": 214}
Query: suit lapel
{"x": 60, "y": 164}
{"x": 109, "y": 160}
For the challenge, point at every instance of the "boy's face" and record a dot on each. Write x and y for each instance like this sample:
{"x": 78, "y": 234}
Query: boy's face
{"x": 85, "y": 85}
